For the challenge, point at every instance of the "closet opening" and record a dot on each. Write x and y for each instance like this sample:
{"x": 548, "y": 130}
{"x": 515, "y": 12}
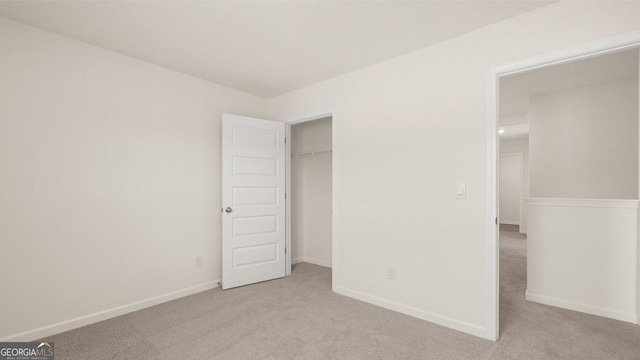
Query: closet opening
{"x": 309, "y": 192}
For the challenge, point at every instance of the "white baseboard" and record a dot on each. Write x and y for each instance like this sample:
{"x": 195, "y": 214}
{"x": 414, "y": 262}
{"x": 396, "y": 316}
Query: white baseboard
{"x": 417, "y": 313}
{"x": 311, "y": 261}
{"x": 589, "y": 309}
{"x": 48, "y": 330}
{"x": 509, "y": 222}
{"x": 317, "y": 262}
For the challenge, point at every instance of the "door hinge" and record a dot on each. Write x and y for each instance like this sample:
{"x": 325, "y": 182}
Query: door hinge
{"x": 285, "y": 250}
{"x": 496, "y": 221}
{"x": 285, "y": 140}
{"x": 285, "y": 196}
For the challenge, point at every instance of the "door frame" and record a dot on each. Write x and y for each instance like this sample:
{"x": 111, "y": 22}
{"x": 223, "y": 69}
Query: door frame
{"x": 600, "y": 47}
{"x": 520, "y": 157}
{"x": 334, "y": 187}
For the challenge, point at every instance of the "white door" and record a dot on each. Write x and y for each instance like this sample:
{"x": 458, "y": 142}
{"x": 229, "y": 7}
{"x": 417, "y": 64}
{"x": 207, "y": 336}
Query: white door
{"x": 253, "y": 200}
{"x": 510, "y": 188}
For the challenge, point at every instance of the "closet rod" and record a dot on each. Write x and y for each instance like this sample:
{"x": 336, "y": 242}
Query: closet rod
{"x": 313, "y": 153}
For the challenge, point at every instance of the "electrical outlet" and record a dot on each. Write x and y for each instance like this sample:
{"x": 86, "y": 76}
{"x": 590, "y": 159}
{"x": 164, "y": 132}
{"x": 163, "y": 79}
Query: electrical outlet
{"x": 391, "y": 273}
{"x": 198, "y": 261}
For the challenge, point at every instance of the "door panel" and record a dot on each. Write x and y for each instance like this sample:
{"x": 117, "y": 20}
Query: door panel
{"x": 253, "y": 187}
{"x": 247, "y": 195}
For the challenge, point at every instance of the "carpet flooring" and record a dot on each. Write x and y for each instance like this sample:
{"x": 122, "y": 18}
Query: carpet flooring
{"x": 298, "y": 317}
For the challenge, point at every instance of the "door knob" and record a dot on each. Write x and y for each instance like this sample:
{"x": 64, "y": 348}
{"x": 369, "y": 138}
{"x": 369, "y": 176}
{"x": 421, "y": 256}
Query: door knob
{"x": 228, "y": 210}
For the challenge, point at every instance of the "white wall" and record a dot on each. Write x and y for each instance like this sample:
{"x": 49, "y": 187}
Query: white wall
{"x": 110, "y": 182}
{"x": 297, "y": 200}
{"x": 311, "y": 193}
{"x": 581, "y": 255}
{"x": 407, "y": 131}
{"x": 584, "y": 142}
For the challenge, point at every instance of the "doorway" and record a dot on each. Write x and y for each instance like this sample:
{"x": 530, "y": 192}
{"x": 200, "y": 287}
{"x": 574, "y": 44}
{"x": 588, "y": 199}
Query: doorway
{"x": 312, "y": 183}
{"x": 589, "y": 51}
{"x": 311, "y": 200}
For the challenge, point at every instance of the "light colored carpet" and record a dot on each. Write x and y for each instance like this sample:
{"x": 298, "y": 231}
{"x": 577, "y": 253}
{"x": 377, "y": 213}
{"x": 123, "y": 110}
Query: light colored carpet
{"x": 300, "y": 318}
